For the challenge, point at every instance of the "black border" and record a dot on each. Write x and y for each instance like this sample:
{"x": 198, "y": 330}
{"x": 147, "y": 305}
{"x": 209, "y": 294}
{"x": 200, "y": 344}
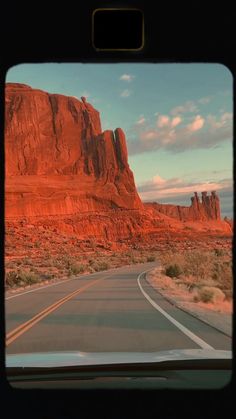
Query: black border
{"x": 32, "y": 32}
{"x": 117, "y": 49}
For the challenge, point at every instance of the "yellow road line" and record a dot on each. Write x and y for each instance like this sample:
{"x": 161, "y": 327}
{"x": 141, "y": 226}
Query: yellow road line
{"x": 14, "y": 334}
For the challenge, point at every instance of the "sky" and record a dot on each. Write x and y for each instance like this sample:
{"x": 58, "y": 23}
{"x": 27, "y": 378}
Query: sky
{"x": 177, "y": 119}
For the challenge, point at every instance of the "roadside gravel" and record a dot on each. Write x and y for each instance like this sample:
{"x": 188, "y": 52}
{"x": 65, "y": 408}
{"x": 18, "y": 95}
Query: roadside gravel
{"x": 218, "y": 316}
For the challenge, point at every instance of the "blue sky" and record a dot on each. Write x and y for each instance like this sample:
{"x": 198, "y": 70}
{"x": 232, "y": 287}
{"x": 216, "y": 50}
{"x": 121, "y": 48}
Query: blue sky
{"x": 177, "y": 119}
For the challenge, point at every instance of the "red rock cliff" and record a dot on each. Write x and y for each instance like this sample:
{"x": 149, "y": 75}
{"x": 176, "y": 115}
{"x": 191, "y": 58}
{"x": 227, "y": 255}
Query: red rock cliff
{"x": 58, "y": 160}
{"x": 60, "y": 166}
{"x": 206, "y": 209}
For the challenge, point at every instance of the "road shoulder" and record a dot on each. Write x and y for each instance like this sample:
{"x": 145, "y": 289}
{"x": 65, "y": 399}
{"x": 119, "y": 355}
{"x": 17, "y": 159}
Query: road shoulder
{"x": 216, "y": 318}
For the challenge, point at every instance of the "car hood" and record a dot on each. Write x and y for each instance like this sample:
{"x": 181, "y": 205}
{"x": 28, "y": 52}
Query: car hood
{"x": 76, "y": 358}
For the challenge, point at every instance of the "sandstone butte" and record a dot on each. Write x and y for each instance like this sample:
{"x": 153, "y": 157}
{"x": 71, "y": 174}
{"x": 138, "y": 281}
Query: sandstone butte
{"x": 62, "y": 168}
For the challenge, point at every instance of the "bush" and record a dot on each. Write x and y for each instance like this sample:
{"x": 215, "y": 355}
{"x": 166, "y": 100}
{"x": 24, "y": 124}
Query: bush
{"x": 101, "y": 266}
{"x": 27, "y": 261}
{"x": 30, "y": 278}
{"x": 76, "y": 269}
{"x": 151, "y": 258}
{"x": 210, "y": 295}
{"x": 64, "y": 262}
{"x": 219, "y": 252}
{"x": 173, "y": 271}
{"x": 18, "y": 278}
{"x": 223, "y": 274}
{"x": 12, "y": 279}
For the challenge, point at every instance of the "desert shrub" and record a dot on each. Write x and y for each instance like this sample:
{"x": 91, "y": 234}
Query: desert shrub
{"x": 17, "y": 278}
{"x": 27, "y": 261}
{"x": 201, "y": 268}
{"x": 46, "y": 276}
{"x": 190, "y": 282}
{"x": 151, "y": 258}
{"x": 65, "y": 261}
{"x": 76, "y": 269}
{"x": 37, "y": 244}
{"x": 29, "y": 277}
{"x": 11, "y": 264}
{"x": 128, "y": 254}
{"x": 101, "y": 266}
{"x": 219, "y": 252}
{"x": 210, "y": 295}
{"x": 142, "y": 259}
{"x": 191, "y": 263}
{"x": 223, "y": 275}
{"x": 197, "y": 263}
{"x": 19, "y": 262}
{"x": 12, "y": 279}
{"x": 33, "y": 278}
{"x": 173, "y": 271}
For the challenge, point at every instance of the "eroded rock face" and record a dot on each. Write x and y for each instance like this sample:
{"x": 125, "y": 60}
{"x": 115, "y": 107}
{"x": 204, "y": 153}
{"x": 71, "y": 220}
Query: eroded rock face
{"x": 206, "y": 209}
{"x": 47, "y": 133}
{"x": 62, "y": 168}
{"x": 49, "y": 137}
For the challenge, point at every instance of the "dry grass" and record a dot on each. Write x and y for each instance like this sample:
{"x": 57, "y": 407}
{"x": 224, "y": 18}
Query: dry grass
{"x": 53, "y": 254}
{"x": 21, "y": 278}
{"x": 209, "y": 295}
{"x": 64, "y": 262}
{"x": 197, "y": 270}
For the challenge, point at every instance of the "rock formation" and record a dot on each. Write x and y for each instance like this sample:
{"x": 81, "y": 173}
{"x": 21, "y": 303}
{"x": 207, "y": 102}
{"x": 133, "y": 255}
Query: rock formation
{"x": 207, "y": 209}
{"x": 58, "y": 160}
{"x": 62, "y": 167}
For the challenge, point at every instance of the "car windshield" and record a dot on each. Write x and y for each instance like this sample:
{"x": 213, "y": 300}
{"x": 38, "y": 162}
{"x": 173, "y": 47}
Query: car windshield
{"x": 118, "y": 213}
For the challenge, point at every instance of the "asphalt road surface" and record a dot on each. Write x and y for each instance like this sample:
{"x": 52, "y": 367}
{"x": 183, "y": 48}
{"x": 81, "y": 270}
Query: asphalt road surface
{"x": 116, "y": 311}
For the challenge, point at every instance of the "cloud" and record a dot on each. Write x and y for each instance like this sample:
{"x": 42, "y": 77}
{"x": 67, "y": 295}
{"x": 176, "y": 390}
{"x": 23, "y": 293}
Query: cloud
{"x": 220, "y": 122}
{"x": 166, "y": 121}
{"x": 176, "y": 121}
{"x": 125, "y": 93}
{"x": 197, "y": 123}
{"x": 158, "y": 180}
{"x": 127, "y": 77}
{"x": 176, "y": 135}
{"x": 141, "y": 120}
{"x": 188, "y": 106}
{"x": 148, "y": 135}
{"x": 178, "y": 191}
{"x": 162, "y": 121}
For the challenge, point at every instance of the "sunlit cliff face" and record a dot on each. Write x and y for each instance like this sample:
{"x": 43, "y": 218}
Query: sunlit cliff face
{"x": 60, "y": 163}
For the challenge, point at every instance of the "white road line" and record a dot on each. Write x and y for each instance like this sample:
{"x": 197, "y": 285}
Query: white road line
{"x": 61, "y": 282}
{"x": 183, "y": 329}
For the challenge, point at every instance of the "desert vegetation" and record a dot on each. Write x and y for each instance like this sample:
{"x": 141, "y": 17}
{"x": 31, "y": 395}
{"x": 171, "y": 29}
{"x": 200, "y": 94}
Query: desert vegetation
{"x": 27, "y": 271}
{"x": 207, "y": 275}
{"x": 41, "y": 252}
{"x": 48, "y": 256}
{"x": 21, "y": 278}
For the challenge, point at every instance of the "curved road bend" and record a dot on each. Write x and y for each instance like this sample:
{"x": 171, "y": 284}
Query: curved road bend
{"x": 116, "y": 311}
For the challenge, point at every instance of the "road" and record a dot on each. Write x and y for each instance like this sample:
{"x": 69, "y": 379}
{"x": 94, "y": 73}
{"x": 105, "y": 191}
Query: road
{"x": 116, "y": 311}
